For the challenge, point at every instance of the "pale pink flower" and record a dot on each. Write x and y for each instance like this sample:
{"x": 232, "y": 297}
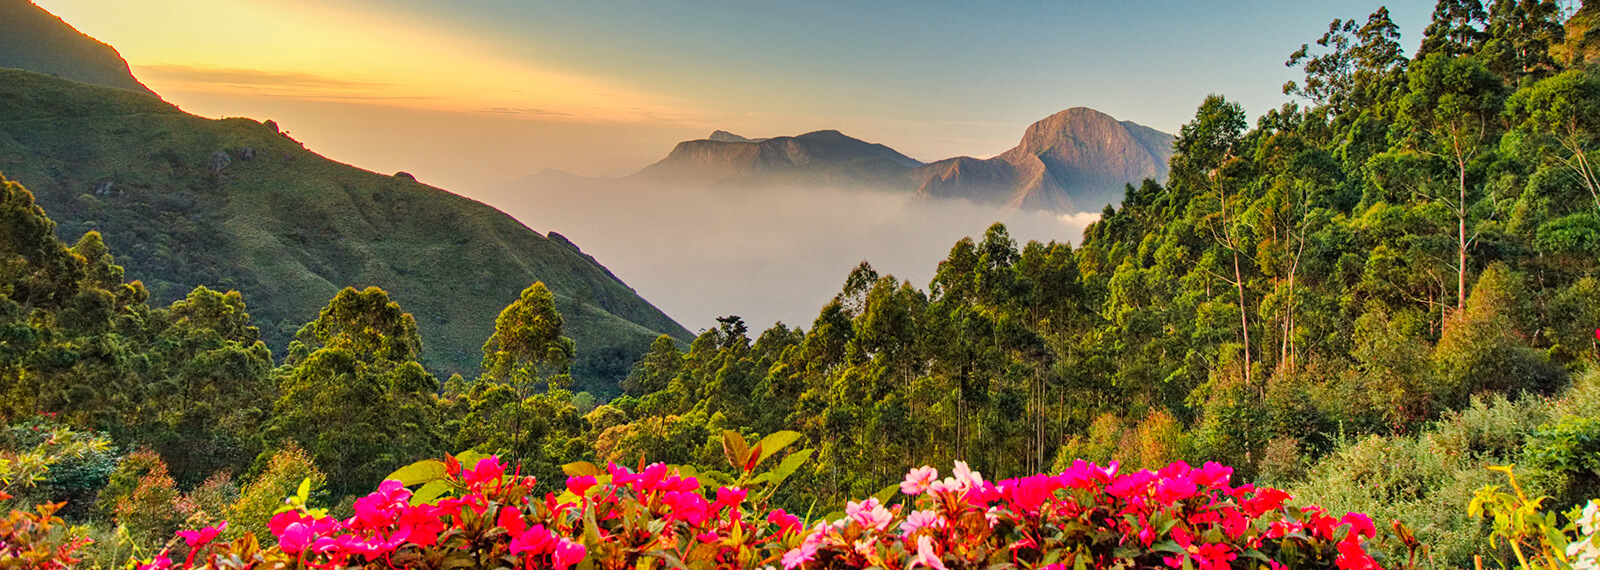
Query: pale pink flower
{"x": 868, "y": 514}
{"x": 926, "y": 558}
{"x": 918, "y": 479}
{"x": 919, "y": 520}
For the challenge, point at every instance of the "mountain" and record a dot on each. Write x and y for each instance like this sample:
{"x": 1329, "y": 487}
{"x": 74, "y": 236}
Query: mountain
{"x": 36, "y": 40}
{"x": 1076, "y": 160}
{"x": 1073, "y": 161}
{"x": 233, "y": 203}
{"x": 821, "y": 157}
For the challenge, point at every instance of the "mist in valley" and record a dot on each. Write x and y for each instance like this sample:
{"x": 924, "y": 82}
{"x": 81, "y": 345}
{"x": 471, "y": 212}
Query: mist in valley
{"x": 766, "y": 254}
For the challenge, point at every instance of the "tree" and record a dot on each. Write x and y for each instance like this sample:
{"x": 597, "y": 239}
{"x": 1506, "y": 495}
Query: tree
{"x": 1448, "y": 118}
{"x": 527, "y": 345}
{"x": 360, "y": 404}
{"x": 1560, "y": 117}
{"x": 1457, "y": 29}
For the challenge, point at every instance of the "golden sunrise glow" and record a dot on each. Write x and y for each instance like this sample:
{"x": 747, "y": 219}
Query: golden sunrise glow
{"x": 309, "y": 50}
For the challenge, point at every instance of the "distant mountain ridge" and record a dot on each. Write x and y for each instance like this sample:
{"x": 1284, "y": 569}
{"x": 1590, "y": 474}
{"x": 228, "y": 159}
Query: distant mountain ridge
{"x": 36, "y": 40}
{"x": 1073, "y": 161}
{"x": 827, "y": 157}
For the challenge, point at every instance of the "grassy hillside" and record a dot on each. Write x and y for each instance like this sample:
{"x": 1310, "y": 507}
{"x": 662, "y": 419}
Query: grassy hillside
{"x": 232, "y": 203}
{"x": 36, "y": 40}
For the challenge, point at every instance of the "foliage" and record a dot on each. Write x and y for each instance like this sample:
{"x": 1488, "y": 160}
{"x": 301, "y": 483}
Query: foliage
{"x": 263, "y": 496}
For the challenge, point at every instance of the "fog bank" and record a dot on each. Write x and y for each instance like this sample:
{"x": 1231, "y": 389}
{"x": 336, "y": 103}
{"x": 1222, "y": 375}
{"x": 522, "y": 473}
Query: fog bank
{"x": 765, "y": 254}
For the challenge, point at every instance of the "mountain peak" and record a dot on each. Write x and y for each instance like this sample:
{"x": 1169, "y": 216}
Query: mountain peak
{"x": 725, "y": 136}
{"x": 35, "y": 40}
{"x": 1078, "y": 159}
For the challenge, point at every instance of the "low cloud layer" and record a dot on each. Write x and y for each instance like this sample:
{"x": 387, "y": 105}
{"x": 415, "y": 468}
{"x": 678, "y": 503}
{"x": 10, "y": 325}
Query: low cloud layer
{"x": 768, "y": 254}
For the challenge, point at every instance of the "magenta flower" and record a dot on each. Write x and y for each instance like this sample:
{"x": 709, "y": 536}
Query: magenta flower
{"x": 488, "y": 470}
{"x": 730, "y": 497}
{"x": 568, "y": 553}
{"x": 161, "y": 562}
{"x": 786, "y": 522}
{"x": 535, "y": 541}
{"x": 511, "y": 519}
{"x": 295, "y": 538}
{"x": 580, "y": 485}
{"x": 1173, "y": 490}
{"x": 198, "y": 538}
{"x": 918, "y": 480}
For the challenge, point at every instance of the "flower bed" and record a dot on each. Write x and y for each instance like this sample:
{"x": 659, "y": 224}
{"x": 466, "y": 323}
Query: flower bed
{"x": 481, "y": 516}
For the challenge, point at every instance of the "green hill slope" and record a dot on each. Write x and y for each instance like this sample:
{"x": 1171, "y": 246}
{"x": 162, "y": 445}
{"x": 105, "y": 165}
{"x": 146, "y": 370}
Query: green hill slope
{"x": 232, "y": 203}
{"x": 36, "y": 40}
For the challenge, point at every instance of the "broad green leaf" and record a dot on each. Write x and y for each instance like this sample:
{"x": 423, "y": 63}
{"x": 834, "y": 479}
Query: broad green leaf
{"x": 775, "y": 442}
{"x": 883, "y": 495}
{"x": 581, "y": 468}
{"x": 429, "y": 493}
{"x": 789, "y": 465}
{"x": 425, "y": 471}
{"x": 303, "y": 492}
{"x": 469, "y": 458}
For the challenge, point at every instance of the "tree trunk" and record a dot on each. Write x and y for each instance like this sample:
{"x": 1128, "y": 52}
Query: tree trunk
{"x": 1244, "y": 318}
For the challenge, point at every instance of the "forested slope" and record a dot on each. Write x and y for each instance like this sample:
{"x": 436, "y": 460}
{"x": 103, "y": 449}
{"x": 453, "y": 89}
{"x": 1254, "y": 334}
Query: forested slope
{"x": 235, "y": 204}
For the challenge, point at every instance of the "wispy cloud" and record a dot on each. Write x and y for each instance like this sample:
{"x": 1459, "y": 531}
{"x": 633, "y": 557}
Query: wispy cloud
{"x": 258, "y": 78}
{"x": 526, "y": 111}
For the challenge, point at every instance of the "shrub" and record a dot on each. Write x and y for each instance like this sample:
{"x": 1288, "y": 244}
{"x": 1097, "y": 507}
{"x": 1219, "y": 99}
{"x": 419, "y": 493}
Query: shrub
{"x": 264, "y": 495}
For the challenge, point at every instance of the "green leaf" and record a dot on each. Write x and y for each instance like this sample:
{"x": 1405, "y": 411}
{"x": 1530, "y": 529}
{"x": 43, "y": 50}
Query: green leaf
{"x": 469, "y": 458}
{"x": 789, "y": 465}
{"x": 581, "y": 469}
{"x": 884, "y": 495}
{"x": 304, "y": 491}
{"x": 425, "y": 471}
{"x": 775, "y": 442}
{"x": 429, "y": 493}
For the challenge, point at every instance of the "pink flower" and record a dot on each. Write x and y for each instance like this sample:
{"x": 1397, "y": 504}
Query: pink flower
{"x": 1214, "y": 556}
{"x": 511, "y": 519}
{"x": 806, "y": 552}
{"x": 580, "y": 485}
{"x": 294, "y": 538}
{"x": 1170, "y": 491}
{"x": 919, "y": 520}
{"x": 198, "y": 538}
{"x": 926, "y": 558}
{"x": 917, "y": 480}
{"x": 688, "y": 507}
{"x": 1353, "y": 557}
{"x": 488, "y": 470}
{"x": 1212, "y": 475}
{"x": 568, "y": 553}
{"x": 730, "y": 497}
{"x": 535, "y": 541}
{"x": 161, "y": 562}
{"x": 869, "y": 514}
{"x": 967, "y": 476}
{"x": 1360, "y": 526}
{"x": 785, "y": 522}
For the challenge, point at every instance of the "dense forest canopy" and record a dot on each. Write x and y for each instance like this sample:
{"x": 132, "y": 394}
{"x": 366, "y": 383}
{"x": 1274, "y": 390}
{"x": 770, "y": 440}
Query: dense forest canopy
{"x": 1405, "y": 256}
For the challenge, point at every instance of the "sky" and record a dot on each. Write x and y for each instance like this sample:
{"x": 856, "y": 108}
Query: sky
{"x": 470, "y": 94}
{"x": 476, "y": 95}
